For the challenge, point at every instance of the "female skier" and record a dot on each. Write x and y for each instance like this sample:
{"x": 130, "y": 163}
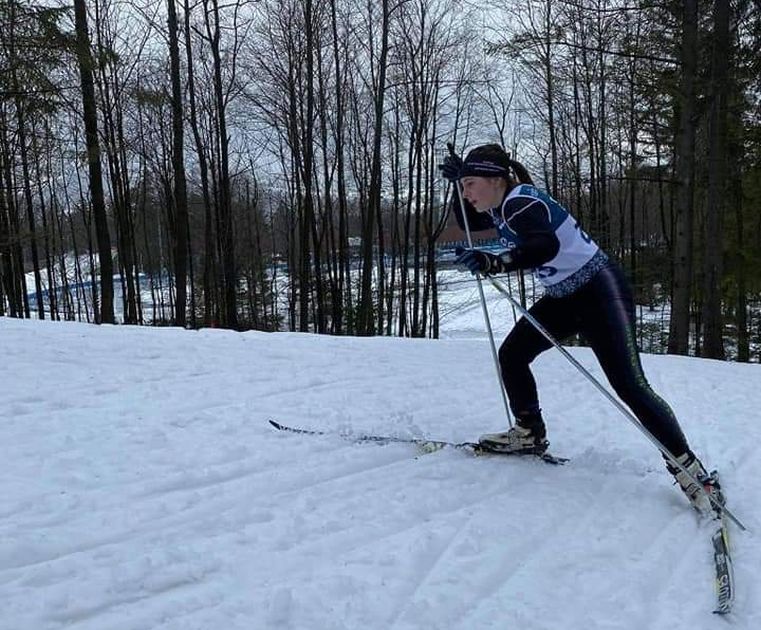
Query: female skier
{"x": 584, "y": 292}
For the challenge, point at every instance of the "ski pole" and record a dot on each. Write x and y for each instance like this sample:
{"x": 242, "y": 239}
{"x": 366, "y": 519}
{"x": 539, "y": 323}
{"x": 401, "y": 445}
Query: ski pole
{"x": 450, "y": 146}
{"x": 618, "y": 404}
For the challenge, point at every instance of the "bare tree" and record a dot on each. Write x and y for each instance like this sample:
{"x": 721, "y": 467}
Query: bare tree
{"x": 365, "y": 319}
{"x": 179, "y": 221}
{"x": 85, "y": 60}
{"x": 713, "y": 324}
{"x": 230, "y": 293}
{"x": 685, "y": 175}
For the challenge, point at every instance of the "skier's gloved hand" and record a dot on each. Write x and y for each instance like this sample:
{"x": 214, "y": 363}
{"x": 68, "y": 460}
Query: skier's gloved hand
{"x": 480, "y": 261}
{"x": 450, "y": 167}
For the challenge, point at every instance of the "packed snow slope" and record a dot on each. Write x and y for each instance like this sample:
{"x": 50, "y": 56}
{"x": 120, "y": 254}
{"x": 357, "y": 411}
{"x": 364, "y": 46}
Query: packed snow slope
{"x": 142, "y": 488}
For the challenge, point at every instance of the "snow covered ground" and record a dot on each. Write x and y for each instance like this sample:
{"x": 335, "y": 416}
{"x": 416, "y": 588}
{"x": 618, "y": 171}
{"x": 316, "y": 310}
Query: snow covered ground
{"x": 142, "y": 487}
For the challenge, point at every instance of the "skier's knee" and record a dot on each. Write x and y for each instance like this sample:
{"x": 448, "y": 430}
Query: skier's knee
{"x": 511, "y": 356}
{"x": 629, "y": 390}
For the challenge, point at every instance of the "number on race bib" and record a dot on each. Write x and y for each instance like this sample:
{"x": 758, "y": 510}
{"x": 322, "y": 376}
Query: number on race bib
{"x": 584, "y": 235}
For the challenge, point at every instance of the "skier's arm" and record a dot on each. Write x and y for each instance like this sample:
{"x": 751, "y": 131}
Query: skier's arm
{"x": 477, "y": 221}
{"x": 529, "y": 218}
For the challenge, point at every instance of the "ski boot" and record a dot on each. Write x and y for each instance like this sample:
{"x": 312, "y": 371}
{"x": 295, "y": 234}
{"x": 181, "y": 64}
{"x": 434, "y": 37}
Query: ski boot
{"x": 696, "y": 493}
{"x": 527, "y": 437}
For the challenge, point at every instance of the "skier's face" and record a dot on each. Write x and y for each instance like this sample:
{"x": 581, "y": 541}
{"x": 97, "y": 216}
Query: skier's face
{"x": 483, "y": 192}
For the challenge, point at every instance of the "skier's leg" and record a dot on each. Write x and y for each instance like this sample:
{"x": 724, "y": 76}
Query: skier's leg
{"x": 520, "y": 348}
{"x": 608, "y": 325}
{"x": 525, "y": 343}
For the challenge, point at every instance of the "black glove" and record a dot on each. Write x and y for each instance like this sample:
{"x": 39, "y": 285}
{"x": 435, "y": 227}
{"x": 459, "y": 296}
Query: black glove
{"x": 450, "y": 167}
{"x": 480, "y": 261}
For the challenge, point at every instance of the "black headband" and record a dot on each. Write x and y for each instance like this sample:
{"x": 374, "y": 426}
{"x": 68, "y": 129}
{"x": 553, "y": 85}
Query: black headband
{"x": 482, "y": 168}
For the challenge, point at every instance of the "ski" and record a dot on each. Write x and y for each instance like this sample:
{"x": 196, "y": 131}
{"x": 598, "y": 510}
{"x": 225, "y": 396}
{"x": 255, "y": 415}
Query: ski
{"x": 423, "y": 445}
{"x": 724, "y": 573}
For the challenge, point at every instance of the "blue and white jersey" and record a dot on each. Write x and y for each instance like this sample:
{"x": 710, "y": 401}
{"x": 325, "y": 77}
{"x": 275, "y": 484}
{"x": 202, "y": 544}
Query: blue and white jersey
{"x": 527, "y": 220}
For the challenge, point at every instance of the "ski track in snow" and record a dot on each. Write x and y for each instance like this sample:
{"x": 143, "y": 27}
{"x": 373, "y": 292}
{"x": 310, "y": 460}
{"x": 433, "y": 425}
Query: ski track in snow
{"x": 143, "y": 487}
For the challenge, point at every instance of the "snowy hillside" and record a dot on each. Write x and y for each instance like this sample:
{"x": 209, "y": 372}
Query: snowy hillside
{"x": 142, "y": 488}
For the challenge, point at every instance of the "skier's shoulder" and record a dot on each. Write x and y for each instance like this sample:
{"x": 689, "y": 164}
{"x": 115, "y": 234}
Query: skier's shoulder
{"x": 525, "y": 199}
{"x": 527, "y": 202}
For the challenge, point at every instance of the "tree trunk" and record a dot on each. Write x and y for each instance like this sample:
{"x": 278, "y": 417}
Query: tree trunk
{"x": 366, "y": 321}
{"x": 209, "y": 263}
{"x": 225, "y": 203}
{"x": 713, "y": 250}
{"x": 550, "y": 85}
{"x": 310, "y": 217}
{"x": 28, "y": 199}
{"x": 343, "y": 256}
{"x": 679, "y": 325}
{"x": 85, "y": 62}
{"x": 180, "y": 194}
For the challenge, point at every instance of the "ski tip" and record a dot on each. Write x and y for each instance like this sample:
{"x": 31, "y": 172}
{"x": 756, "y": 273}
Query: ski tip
{"x": 554, "y": 459}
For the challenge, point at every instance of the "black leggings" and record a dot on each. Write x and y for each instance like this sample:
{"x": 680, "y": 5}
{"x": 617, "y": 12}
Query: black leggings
{"x": 603, "y": 312}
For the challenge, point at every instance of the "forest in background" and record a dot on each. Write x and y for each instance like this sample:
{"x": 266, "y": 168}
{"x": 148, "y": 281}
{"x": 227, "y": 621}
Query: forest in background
{"x": 210, "y": 148}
